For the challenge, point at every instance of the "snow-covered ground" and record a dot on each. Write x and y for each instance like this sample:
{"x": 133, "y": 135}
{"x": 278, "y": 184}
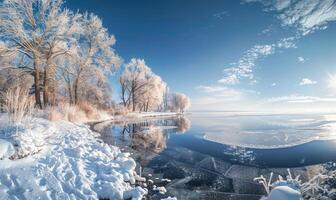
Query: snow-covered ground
{"x": 47, "y": 160}
{"x": 136, "y": 117}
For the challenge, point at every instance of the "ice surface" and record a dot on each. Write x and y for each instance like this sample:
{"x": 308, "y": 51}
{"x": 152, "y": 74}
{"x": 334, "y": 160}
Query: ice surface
{"x": 264, "y": 131}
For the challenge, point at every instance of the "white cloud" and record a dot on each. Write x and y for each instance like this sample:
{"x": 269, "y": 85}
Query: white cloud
{"x": 307, "y": 16}
{"x": 244, "y": 67}
{"x": 301, "y": 59}
{"x": 219, "y": 92}
{"x": 332, "y": 83}
{"x": 273, "y": 84}
{"x": 300, "y": 99}
{"x": 306, "y": 81}
{"x": 230, "y": 79}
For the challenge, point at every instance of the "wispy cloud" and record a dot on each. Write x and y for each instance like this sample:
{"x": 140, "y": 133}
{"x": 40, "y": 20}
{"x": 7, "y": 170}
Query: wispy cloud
{"x": 224, "y": 93}
{"x": 243, "y": 68}
{"x": 221, "y": 15}
{"x": 300, "y": 99}
{"x": 267, "y": 30}
{"x": 273, "y": 84}
{"x": 301, "y": 59}
{"x": 332, "y": 83}
{"x": 307, "y": 81}
{"x": 307, "y": 16}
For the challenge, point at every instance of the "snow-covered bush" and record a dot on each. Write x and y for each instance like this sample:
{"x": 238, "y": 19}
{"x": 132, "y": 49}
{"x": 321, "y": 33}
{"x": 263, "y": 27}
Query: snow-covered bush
{"x": 18, "y": 104}
{"x": 284, "y": 188}
{"x": 322, "y": 185}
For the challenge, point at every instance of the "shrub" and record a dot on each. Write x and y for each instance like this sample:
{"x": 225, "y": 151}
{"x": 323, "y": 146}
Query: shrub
{"x": 18, "y": 104}
{"x": 53, "y": 114}
{"x": 119, "y": 110}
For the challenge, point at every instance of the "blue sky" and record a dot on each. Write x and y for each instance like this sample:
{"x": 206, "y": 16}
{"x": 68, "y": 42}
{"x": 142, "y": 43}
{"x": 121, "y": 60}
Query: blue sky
{"x": 268, "y": 55}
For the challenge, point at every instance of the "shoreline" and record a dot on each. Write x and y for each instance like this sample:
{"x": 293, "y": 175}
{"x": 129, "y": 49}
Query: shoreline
{"x": 136, "y": 117}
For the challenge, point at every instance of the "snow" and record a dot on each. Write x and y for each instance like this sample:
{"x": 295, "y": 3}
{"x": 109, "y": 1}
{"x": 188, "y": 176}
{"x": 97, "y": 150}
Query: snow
{"x": 70, "y": 164}
{"x": 161, "y": 190}
{"x": 284, "y": 193}
{"x": 6, "y": 149}
{"x": 135, "y": 193}
{"x": 170, "y": 198}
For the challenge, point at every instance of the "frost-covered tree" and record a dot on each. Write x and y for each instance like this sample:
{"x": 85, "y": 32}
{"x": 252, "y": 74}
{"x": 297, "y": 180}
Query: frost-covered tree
{"x": 91, "y": 59}
{"x": 141, "y": 89}
{"x": 152, "y": 95}
{"x": 179, "y": 102}
{"x": 33, "y": 31}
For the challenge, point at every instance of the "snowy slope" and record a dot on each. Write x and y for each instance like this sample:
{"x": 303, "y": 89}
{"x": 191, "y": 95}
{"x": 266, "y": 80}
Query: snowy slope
{"x": 70, "y": 164}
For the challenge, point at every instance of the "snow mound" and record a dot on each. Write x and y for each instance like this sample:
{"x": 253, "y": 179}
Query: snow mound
{"x": 170, "y": 198}
{"x": 6, "y": 149}
{"x": 72, "y": 164}
{"x": 284, "y": 193}
{"x": 28, "y": 137}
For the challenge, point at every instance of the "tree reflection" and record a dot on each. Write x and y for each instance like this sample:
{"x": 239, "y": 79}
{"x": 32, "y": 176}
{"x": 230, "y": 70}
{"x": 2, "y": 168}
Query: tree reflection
{"x": 183, "y": 125}
{"x": 152, "y": 135}
{"x": 146, "y": 138}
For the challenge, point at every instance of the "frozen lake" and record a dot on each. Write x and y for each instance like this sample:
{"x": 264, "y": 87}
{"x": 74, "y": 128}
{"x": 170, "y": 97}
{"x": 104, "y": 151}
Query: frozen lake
{"x": 258, "y": 140}
{"x": 223, "y": 152}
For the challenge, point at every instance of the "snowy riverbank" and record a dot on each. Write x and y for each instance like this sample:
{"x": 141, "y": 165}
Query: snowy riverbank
{"x": 67, "y": 162}
{"x": 137, "y": 116}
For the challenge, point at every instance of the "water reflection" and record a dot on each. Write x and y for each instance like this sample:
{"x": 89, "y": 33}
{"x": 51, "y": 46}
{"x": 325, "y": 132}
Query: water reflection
{"x": 262, "y": 141}
{"x": 148, "y": 135}
{"x": 151, "y": 138}
{"x": 183, "y": 125}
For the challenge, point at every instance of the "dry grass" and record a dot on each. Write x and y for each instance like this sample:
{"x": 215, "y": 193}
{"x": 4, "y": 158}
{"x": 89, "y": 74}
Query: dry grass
{"x": 90, "y": 110}
{"x": 72, "y": 113}
{"x": 54, "y": 114}
{"x": 18, "y": 104}
{"x": 83, "y": 112}
{"x": 119, "y": 110}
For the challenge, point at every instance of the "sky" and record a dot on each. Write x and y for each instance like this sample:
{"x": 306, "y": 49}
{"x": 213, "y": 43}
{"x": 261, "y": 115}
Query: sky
{"x": 230, "y": 55}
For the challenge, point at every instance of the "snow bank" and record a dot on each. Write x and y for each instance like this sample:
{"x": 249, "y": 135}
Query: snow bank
{"x": 6, "y": 149}
{"x": 71, "y": 164}
{"x": 27, "y": 137}
{"x": 170, "y": 198}
{"x": 284, "y": 193}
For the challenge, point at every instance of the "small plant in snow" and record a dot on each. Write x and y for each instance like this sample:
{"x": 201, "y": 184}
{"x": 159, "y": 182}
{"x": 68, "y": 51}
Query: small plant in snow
{"x": 314, "y": 185}
{"x": 263, "y": 181}
{"x": 289, "y": 181}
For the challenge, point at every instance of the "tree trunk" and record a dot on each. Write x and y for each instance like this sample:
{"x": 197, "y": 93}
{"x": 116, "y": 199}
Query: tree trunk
{"x": 133, "y": 96}
{"x": 70, "y": 93}
{"x": 46, "y": 86}
{"x": 37, "y": 83}
{"x": 76, "y": 90}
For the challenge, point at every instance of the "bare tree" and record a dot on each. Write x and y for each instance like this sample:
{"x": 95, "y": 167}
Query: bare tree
{"x": 33, "y": 29}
